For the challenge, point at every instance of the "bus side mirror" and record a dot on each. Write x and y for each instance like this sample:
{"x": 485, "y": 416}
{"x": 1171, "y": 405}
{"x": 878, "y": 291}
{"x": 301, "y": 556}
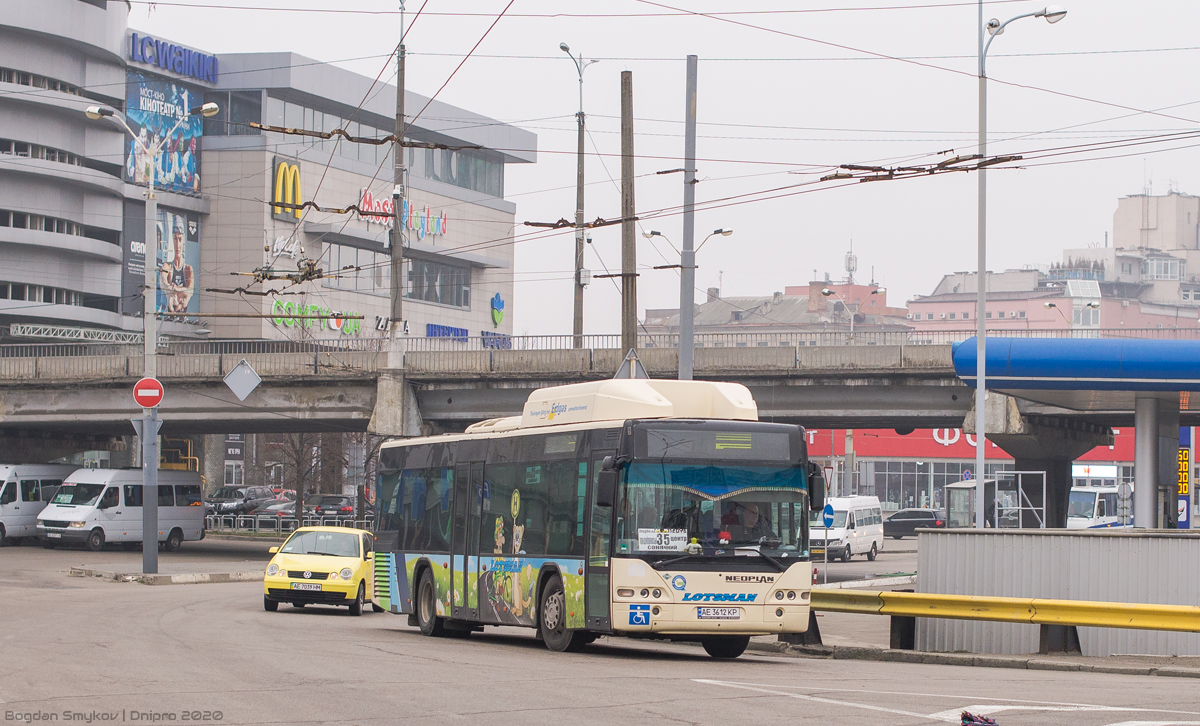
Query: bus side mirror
{"x": 606, "y": 483}
{"x": 816, "y": 487}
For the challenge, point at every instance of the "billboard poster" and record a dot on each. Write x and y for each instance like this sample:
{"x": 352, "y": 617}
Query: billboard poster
{"x": 178, "y": 247}
{"x": 153, "y": 106}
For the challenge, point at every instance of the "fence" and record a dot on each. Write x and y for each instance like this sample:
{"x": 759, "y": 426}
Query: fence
{"x": 567, "y": 342}
{"x": 267, "y": 524}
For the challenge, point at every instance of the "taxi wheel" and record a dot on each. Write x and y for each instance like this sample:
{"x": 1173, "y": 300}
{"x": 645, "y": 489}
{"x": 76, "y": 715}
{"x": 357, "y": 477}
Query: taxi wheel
{"x": 726, "y": 646}
{"x": 356, "y": 607}
{"x": 95, "y": 540}
{"x": 553, "y": 620}
{"x": 270, "y": 605}
{"x": 174, "y": 540}
{"x": 427, "y": 618}
{"x": 871, "y": 555}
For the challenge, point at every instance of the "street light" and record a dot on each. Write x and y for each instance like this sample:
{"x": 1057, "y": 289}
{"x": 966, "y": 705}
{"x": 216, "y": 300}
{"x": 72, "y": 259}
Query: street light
{"x": 722, "y": 232}
{"x": 149, "y": 432}
{"x": 577, "y": 326}
{"x": 687, "y": 343}
{"x": 1052, "y": 14}
{"x": 830, "y": 293}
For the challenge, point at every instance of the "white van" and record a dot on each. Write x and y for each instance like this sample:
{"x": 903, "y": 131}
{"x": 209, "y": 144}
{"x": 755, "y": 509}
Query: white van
{"x": 95, "y": 506}
{"x": 25, "y": 489}
{"x": 857, "y": 529}
{"x": 1094, "y": 508}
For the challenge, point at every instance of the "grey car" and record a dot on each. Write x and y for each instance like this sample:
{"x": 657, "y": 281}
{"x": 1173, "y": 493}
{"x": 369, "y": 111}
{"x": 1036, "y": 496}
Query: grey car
{"x": 238, "y": 500}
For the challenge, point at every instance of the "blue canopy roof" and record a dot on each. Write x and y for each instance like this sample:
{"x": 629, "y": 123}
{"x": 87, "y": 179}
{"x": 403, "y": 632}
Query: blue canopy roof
{"x": 1084, "y": 364}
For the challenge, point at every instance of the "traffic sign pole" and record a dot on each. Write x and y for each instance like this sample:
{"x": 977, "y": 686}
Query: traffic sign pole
{"x": 150, "y": 491}
{"x": 148, "y": 393}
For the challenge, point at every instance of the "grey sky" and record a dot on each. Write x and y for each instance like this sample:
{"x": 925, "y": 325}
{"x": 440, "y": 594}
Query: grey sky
{"x": 824, "y": 106}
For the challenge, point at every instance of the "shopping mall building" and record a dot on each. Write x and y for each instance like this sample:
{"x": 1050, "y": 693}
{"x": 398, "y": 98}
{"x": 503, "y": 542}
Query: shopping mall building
{"x": 72, "y": 190}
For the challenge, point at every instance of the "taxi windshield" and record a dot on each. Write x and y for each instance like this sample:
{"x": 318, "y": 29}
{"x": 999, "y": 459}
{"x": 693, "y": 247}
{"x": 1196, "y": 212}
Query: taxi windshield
{"x": 336, "y": 544}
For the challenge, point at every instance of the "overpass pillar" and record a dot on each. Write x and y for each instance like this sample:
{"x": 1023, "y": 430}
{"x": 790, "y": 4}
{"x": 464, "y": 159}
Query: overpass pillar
{"x": 396, "y": 412}
{"x": 1156, "y": 441}
{"x": 1040, "y": 443}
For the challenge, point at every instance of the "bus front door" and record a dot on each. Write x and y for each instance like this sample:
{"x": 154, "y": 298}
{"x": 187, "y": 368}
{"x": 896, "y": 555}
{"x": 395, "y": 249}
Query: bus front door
{"x": 597, "y": 585}
{"x": 464, "y": 541}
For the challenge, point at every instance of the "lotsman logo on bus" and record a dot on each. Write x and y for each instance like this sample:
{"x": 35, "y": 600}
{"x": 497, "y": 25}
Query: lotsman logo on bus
{"x": 720, "y": 597}
{"x": 749, "y": 578}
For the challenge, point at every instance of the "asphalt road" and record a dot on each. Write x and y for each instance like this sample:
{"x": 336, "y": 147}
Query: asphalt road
{"x": 93, "y": 647}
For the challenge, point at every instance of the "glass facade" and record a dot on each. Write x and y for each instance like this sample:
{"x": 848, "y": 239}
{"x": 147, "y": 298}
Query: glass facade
{"x": 437, "y": 283}
{"x": 350, "y": 268}
{"x": 903, "y": 484}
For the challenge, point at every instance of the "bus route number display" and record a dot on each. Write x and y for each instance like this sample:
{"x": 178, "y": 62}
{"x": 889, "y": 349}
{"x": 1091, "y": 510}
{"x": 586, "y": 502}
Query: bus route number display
{"x": 662, "y": 540}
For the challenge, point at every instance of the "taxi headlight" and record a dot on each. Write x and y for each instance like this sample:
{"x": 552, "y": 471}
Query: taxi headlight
{"x": 272, "y": 569}
{"x": 78, "y": 524}
{"x": 346, "y": 573}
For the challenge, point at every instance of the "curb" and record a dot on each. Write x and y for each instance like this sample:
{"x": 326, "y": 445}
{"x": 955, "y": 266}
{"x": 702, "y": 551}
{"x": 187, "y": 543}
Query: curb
{"x": 194, "y": 578}
{"x": 964, "y": 659}
{"x": 265, "y": 537}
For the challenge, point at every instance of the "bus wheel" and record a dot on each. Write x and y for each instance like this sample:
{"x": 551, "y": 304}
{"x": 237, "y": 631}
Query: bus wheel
{"x": 427, "y": 618}
{"x": 49, "y": 544}
{"x": 95, "y": 540}
{"x": 173, "y": 541}
{"x": 871, "y": 555}
{"x": 376, "y": 608}
{"x": 553, "y": 625}
{"x": 3, "y": 541}
{"x": 726, "y": 646}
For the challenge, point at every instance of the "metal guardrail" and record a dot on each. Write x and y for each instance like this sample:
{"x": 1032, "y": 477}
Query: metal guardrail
{"x": 266, "y": 524}
{"x": 1034, "y": 611}
{"x": 588, "y": 342}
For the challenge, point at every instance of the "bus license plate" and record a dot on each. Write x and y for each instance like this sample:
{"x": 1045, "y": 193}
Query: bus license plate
{"x": 55, "y": 535}
{"x": 306, "y": 586}
{"x": 719, "y": 613}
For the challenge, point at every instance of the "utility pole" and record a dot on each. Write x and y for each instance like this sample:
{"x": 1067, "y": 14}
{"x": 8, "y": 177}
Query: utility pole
{"x": 150, "y": 370}
{"x": 628, "y": 246}
{"x": 687, "y": 281}
{"x": 577, "y": 327}
{"x": 398, "y": 194}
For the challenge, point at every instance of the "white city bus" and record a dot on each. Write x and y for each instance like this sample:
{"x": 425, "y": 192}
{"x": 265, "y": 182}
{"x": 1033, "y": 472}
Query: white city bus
{"x": 642, "y": 508}
{"x": 1095, "y": 507}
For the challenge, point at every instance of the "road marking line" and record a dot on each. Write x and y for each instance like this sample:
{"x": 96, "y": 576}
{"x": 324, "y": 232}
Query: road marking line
{"x": 1156, "y": 723}
{"x": 818, "y": 699}
{"x": 954, "y": 713}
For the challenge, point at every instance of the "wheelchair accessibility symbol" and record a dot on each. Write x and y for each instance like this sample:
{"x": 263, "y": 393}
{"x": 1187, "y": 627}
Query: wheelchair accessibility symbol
{"x": 639, "y": 614}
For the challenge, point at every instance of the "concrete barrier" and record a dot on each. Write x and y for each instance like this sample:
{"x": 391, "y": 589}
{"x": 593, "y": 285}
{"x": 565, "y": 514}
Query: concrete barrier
{"x": 713, "y": 361}
{"x": 842, "y": 358}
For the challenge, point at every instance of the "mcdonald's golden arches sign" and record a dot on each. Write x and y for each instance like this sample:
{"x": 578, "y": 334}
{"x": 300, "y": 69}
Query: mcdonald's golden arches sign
{"x": 287, "y": 189}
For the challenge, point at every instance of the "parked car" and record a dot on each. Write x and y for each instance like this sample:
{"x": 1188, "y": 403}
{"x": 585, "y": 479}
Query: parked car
{"x": 276, "y": 508}
{"x": 238, "y": 500}
{"x": 330, "y": 505}
{"x": 322, "y": 566}
{"x": 905, "y": 522}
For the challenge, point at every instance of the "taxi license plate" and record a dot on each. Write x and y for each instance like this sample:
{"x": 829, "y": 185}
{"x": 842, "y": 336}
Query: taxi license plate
{"x": 54, "y": 535}
{"x": 719, "y": 613}
{"x": 306, "y": 586}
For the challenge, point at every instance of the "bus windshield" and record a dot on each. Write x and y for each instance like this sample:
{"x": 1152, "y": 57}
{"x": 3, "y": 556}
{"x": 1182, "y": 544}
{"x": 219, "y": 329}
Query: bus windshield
{"x": 816, "y": 520}
{"x": 79, "y": 494}
{"x": 1081, "y": 504}
{"x": 665, "y": 507}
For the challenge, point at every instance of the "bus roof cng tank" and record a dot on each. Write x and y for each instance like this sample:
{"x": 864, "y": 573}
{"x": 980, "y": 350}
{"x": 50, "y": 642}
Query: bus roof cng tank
{"x": 620, "y": 399}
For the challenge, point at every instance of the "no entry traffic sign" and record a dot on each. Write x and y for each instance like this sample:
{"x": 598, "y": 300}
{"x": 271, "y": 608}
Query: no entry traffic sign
{"x": 148, "y": 392}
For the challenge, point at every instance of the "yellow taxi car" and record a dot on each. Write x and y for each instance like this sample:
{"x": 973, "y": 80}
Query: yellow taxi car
{"x": 322, "y": 566}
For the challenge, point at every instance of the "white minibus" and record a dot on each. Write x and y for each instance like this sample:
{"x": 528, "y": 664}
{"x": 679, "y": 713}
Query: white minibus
{"x": 1094, "y": 508}
{"x": 25, "y": 490}
{"x": 95, "y": 506}
{"x": 857, "y": 529}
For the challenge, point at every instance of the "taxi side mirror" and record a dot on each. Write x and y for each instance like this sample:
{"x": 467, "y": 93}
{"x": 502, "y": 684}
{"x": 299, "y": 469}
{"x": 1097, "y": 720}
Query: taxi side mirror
{"x": 273, "y": 551}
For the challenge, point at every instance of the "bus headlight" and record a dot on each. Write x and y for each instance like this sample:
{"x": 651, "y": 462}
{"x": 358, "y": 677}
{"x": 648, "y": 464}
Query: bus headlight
{"x": 791, "y": 594}
{"x": 779, "y": 594}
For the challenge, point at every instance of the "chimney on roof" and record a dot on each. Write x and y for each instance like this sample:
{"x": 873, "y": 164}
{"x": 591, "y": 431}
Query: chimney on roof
{"x": 776, "y": 297}
{"x": 714, "y": 293}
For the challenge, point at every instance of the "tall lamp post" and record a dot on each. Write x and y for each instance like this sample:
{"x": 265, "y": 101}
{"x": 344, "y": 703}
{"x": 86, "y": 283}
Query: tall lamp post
{"x": 830, "y": 293}
{"x": 1052, "y": 14}
{"x": 577, "y": 325}
{"x": 687, "y": 311}
{"x": 149, "y": 433}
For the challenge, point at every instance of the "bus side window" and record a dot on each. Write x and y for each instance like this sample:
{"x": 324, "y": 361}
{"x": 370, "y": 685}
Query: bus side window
{"x": 187, "y": 495}
{"x": 166, "y": 496}
{"x": 1100, "y": 502}
{"x": 29, "y": 490}
{"x": 133, "y": 495}
{"x": 9, "y": 494}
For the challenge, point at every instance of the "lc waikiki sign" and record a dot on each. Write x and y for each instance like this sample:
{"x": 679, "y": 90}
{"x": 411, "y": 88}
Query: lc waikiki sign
{"x": 422, "y": 221}
{"x": 174, "y": 58}
{"x": 284, "y": 315}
